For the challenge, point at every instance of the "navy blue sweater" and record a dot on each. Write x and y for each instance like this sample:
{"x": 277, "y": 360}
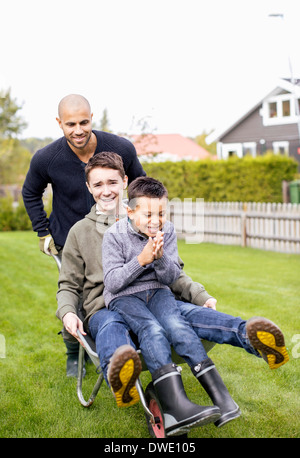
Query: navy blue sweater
{"x": 58, "y": 164}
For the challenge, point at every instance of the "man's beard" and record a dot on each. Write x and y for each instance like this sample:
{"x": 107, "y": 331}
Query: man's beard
{"x": 83, "y": 146}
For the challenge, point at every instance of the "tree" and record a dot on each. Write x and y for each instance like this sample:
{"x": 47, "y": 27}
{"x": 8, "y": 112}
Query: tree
{"x": 14, "y": 161}
{"x": 104, "y": 122}
{"x": 201, "y": 140}
{"x": 10, "y": 123}
{"x": 33, "y": 144}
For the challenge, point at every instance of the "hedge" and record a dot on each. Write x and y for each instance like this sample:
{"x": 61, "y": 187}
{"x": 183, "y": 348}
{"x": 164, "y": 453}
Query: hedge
{"x": 13, "y": 217}
{"x": 244, "y": 180}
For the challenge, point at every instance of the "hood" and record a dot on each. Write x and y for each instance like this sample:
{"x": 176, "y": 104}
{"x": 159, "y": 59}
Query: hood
{"x": 101, "y": 218}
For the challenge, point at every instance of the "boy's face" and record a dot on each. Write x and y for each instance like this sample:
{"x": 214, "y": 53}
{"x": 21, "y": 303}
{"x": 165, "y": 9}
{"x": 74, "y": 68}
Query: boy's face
{"x": 149, "y": 215}
{"x": 107, "y": 186}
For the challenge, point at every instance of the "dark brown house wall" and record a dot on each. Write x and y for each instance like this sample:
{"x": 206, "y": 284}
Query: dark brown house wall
{"x": 251, "y": 129}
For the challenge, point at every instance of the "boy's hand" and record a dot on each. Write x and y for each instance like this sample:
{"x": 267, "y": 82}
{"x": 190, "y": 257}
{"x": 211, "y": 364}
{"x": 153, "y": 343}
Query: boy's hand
{"x": 211, "y": 303}
{"x": 72, "y": 323}
{"x": 147, "y": 255}
{"x": 153, "y": 250}
{"x": 158, "y": 242}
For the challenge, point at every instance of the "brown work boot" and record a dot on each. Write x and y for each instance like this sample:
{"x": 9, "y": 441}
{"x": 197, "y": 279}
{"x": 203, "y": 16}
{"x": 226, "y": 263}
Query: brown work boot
{"x": 123, "y": 370}
{"x": 267, "y": 338}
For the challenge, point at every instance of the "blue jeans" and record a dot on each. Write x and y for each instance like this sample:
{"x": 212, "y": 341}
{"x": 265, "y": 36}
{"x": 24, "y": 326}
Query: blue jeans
{"x": 216, "y": 326}
{"x": 109, "y": 331}
{"x": 154, "y": 317}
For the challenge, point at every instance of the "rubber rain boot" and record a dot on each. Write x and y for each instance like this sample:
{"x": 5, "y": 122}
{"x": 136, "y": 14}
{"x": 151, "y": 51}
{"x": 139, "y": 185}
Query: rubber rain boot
{"x": 180, "y": 414}
{"x": 214, "y": 386}
{"x": 72, "y": 358}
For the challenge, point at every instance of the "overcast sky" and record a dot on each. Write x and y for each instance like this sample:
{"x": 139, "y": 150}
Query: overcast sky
{"x": 182, "y": 66}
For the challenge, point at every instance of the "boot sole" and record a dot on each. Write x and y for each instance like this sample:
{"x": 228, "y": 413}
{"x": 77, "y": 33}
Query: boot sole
{"x": 184, "y": 426}
{"x": 267, "y": 338}
{"x": 124, "y": 368}
{"x": 228, "y": 417}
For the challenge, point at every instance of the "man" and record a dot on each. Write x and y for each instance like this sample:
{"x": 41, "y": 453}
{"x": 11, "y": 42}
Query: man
{"x": 62, "y": 164}
{"x": 81, "y": 273}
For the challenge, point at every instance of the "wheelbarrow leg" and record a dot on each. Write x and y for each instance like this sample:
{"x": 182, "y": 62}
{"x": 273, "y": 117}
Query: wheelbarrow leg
{"x": 80, "y": 378}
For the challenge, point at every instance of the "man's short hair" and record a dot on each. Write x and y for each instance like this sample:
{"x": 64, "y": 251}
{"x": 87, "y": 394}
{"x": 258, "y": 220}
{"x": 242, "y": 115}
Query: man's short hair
{"x": 145, "y": 187}
{"x": 105, "y": 160}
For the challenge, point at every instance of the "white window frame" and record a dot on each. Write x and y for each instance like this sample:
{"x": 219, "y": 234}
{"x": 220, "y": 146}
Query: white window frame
{"x": 278, "y": 145}
{"x": 280, "y": 119}
{"x": 251, "y": 146}
{"x": 227, "y": 147}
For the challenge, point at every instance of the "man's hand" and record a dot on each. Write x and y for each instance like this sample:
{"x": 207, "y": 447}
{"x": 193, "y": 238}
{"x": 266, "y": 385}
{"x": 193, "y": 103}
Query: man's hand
{"x": 47, "y": 245}
{"x": 72, "y": 323}
{"x": 211, "y": 303}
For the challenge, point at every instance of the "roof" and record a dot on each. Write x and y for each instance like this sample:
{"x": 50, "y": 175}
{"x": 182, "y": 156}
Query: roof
{"x": 283, "y": 83}
{"x": 170, "y": 145}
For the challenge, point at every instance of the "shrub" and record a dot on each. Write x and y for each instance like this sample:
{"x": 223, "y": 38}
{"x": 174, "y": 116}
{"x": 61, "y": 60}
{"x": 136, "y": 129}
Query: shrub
{"x": 13, "y": 216}
{"x": 245, "y": 180}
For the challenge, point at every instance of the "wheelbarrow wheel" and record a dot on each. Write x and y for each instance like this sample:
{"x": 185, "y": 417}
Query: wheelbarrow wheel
{"x": 156, "y": 430}
{"x": 153, "y": 404}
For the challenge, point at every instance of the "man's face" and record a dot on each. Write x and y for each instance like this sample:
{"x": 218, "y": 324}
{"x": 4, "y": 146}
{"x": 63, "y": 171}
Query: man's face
{"x": 76, "y": 125}
{"x": 149, "y": 215}
{"x": 107, "y": 186}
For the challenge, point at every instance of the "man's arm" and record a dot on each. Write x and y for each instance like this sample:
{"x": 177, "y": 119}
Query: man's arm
{"x": 33, "y": 188}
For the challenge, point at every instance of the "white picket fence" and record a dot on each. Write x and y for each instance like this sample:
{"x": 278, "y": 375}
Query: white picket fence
{"x": 267, "y": 226}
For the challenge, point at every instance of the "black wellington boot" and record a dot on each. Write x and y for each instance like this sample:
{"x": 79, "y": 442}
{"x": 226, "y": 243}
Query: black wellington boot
{"x": 180, "y": 414}
{"x": 213, "y": 384}
{"x": 72, "y": 358}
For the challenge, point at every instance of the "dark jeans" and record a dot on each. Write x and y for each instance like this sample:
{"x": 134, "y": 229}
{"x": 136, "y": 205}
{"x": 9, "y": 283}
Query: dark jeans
{"x": 153, "y": 315}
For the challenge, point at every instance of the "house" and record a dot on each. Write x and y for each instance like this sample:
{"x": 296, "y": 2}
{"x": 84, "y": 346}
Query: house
{"x": 168, "y": 147}
{"x": 272, "y": 124}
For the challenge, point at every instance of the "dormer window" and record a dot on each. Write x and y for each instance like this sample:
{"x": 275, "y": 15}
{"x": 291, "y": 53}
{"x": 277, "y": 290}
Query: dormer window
{"x": 286, "y": 108}
{"x": 279, "y": 109}
{"x": 272, "y": 110}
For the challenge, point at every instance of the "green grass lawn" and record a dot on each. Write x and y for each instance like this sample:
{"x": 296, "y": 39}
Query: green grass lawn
{"x": 38, "y": 401}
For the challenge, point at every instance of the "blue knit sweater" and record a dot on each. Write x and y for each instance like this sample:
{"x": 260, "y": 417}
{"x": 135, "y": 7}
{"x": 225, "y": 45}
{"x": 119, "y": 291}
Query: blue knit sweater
{"x": 122, "y": 273}
{"x": 58, "y": 164}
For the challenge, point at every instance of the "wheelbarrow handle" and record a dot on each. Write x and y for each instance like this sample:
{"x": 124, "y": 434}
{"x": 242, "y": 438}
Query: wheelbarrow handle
{"x": 57, "y": 259}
